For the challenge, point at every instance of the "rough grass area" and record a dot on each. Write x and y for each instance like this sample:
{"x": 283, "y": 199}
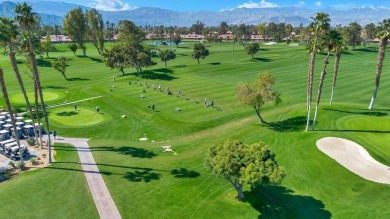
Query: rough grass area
{"x": 146, "y": 182}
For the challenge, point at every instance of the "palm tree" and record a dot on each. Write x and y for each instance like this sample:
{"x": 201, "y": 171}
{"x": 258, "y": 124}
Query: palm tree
{"x": 28, "y": 19}
{"x": 319, "y": 25}
{"x": 11, "y": 114}
{"x": 328, "y": 41}
{"x": 9, "y": 32}
{"x": 384, "y": 34}
{"x": 338, "y": 48}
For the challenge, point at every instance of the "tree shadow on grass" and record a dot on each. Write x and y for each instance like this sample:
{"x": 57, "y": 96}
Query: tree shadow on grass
{"x": 145, "y": 175}
{"x": 135, "y": 152}
{"x": 370, "y": 50}
{"x": 366, "y": 113}
{"x": 54, "y": 87}
{"x": 44, "y": 63}
{"x": 156, "y": 75}
{"x": 96, "y": 59}
{"x": 184, "y": 173}
{"x": 262, "y": 59}
{"x": 67, "y": 113}
{"x": 280, "y": 202}
{"x": 353, "y": 130}
{"x": 289, "y": 125}
{"x": 77, "y": 79}
{"x": 215, "y": 63}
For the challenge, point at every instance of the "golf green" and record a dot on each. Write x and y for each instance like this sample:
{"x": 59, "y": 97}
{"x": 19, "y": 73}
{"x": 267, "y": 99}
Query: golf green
{"x": 81, "y": 117}
{"x": 48, "y": 95}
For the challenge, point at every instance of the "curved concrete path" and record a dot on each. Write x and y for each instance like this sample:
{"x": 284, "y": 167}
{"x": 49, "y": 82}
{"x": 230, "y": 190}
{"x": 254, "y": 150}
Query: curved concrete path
{"x": 101, "y": 196}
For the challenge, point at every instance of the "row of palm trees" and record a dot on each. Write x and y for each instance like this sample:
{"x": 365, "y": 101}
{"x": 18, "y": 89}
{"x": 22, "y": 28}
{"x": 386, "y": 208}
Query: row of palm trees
{"x": 325, "y": 38}
{"x": 10, "y": 29}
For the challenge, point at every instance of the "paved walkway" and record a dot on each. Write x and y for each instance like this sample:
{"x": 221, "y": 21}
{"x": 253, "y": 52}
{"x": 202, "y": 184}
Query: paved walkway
{"x": 103, "y": 200}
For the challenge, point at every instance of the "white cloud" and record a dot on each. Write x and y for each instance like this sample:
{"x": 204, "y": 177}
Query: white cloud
{"x": 261, "y": 4}
{"x": 301, "y": 3}
{"x": 318, "y": 4}
{"x": 110, "y": 5}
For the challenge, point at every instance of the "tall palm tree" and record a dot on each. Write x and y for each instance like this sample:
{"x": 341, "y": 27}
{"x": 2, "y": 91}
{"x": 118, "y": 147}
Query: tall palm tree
{"x": 338, "y": 48}
{"x": 28, "y": 19}
{"x": 9, "y": 32}
{"x": 384, "y": 34}
{"x": 11, "y": 114}
{"x": 328, "y": 41}
{"x": 319, "y": 25}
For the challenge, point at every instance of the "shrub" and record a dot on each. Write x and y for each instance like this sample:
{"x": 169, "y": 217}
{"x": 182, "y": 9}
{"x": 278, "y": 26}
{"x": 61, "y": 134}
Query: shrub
{"x": 21, "y": 165}
{"x": 12, "y": 164}
{"x": 31, "y": 141}
{"x": 33, "y": 161}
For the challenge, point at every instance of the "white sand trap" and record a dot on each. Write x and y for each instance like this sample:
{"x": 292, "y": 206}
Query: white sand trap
{"x": 355, "y": 158}
{"x": 270, "y": 43}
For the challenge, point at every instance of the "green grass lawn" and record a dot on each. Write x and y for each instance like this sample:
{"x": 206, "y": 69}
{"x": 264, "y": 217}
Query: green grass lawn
{"x": 148, "y": 183}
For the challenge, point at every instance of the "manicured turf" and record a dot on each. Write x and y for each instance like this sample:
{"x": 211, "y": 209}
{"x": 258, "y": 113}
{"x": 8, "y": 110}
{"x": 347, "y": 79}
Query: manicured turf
{"x": 58, "y": 191}
{"x": 49, "y": 96}
{"x": 78, "y": 118}
{"x": 148, "y": 183}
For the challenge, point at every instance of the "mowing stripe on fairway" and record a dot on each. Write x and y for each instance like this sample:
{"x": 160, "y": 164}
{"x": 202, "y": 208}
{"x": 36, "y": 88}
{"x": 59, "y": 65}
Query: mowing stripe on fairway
{"x": 77, "y": 101}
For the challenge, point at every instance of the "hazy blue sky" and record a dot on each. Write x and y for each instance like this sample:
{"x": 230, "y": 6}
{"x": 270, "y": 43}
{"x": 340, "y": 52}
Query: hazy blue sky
{"x": 217, "y": 5}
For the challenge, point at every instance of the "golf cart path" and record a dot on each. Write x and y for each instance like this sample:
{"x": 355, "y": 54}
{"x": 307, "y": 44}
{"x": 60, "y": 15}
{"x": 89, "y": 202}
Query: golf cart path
{"x": 101, "y": 196}
{"x": 355, "y": 158}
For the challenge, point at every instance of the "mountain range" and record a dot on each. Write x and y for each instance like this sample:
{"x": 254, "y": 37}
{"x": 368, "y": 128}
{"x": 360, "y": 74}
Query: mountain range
{"x": 53, "y": 12}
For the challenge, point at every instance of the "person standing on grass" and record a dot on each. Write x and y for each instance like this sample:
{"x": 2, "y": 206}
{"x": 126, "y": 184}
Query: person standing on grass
{"x": 153, "y": 107}
{"x": 55, "y": 135}
{"x": 75, "y": 107}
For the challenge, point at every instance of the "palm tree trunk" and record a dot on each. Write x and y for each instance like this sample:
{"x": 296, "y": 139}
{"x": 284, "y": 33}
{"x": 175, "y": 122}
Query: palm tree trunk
{"x": 20, "y": 81}
{"x": 323, "y": 74}
{"x": 38, "y": 82}
{"x": 310, "y": 86}
{"x": 36, "y": 99}
{"x": 381, "y": 57}
{"x": 11, "y": 114}
{"x": 336, "y": 68}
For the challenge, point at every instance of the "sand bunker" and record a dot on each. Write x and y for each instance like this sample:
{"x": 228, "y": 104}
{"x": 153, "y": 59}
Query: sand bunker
{"x": 355, "y": 158}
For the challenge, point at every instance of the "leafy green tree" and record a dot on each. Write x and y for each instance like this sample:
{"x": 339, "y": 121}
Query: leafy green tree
{"x": 252, "y": 49}
{"x": 369, "y": 32}
{"x": 259, "y": 92}
{"x": 60, "y": 65}
{"x": 176, "y": 38}
{"x": 319, "y": 26}
{"x": 244, "y": 165}
{"x": 352, "y": 34}
{"x": 199, "y": 51}
{"x": 197, "y": 27}
{"x": 129, "y": 32}
{"x": 73, "y": 47}
{"x": 76, "y": 27}
{"x": 117, "y": 57}
{"x": 223, "y": 28}
{"x": 95, "y": 26}
{"x": 137, "y": 55}
{"x": 166, "y": 55}
{"x": 262, "y": 29}
{"x": 47, "y": 46}
{"x": 383, "y": 33}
